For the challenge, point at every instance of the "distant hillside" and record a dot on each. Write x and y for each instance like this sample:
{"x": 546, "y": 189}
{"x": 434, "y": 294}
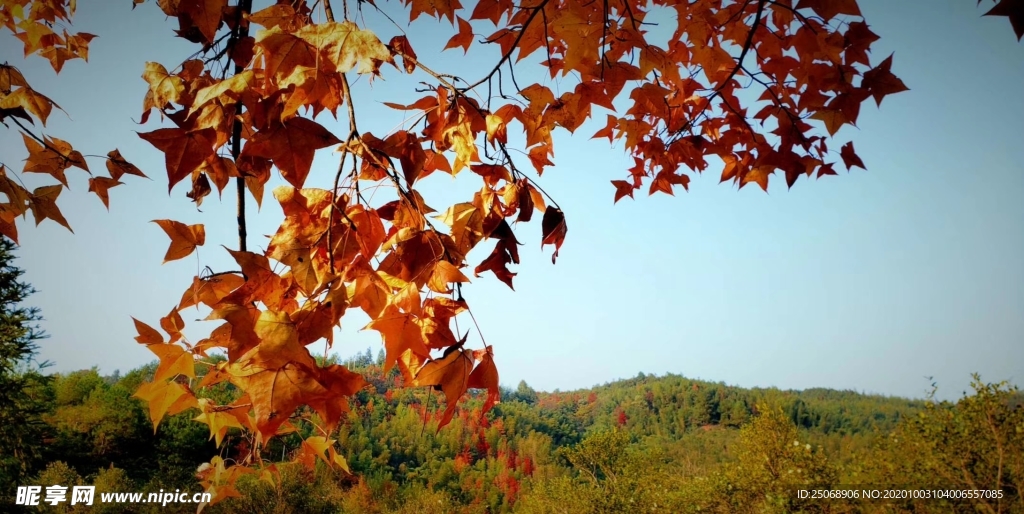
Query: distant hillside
{"x": 668, "y": 442}
{"x": 672, "y": 404}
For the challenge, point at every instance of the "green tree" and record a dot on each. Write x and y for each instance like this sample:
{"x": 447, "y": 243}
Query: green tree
{"x": 772, "y": 463}
{"x": 525, "y": 393}
{"x": 975, "y": 443}
{"x": 25, "y": 393}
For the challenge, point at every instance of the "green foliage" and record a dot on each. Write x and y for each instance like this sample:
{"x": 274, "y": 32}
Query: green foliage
{"x": 648, "y": 444}
{"x": 112, "y": 480}
{"x": 75, "y": 387}
{"x": 298, "y": 490}
{"x": 524, "y": 393}
{"x": 25, "y": 393}
{"x": 975, "y": 443}
{"x": 772, "y": 464}
{"x": 59, "y": 473}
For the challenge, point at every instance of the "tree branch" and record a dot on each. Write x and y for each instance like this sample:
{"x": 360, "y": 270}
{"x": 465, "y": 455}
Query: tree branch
{"x": 241, "y": 31}
{"x": 515, "y": 44}
{"x": 739, "y": 63}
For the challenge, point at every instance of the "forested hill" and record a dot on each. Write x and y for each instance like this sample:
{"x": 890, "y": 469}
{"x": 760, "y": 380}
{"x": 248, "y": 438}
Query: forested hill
{"x": 672, "y": 404}
{"x": 666, "y": 443}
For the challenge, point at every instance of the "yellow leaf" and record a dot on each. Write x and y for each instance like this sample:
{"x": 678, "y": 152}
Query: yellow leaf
{"x": 174, "y": 361}
{"x": 219, "y": 418}
{"x": 232, "y": 88}
{"x": 346, "y": 46}
{"x": 496, "y": 129}
{"x": 31, "y": 101}
{"x": 163, "y": 398}
{"x": 166, "y": 88}
{"x": 338, "y": 460}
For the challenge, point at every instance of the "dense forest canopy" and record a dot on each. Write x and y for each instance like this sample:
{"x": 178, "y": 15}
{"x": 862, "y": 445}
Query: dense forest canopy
{"x": 668, "y": 444}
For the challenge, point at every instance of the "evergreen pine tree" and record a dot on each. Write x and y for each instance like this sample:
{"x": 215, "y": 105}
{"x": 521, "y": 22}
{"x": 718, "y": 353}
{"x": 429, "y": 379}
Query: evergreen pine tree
{"x": 25, "y": 393}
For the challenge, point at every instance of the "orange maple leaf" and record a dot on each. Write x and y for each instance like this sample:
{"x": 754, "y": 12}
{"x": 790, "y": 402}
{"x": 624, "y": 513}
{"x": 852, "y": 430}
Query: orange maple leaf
{"x": 399, "y": 45}
{"x": 100, "y": 186}
{"x": 43, "y": 200}
{"x": 291, "y": 145}
{"x": 165, "y": 88}
{"x": 829, "y": 9}
{"x": 52, "y": 158}
{"x": 184, "y": 151}
{"x": 172, "y": 323}
{"x": 435, "y": 8}
{"x": 219, "y": 480}
{"x": 165, "y": 399}
{"x": 209, "y": 291}
{"x": 147, "y": 334}
{"x": 881, "y": 82}
{"x": 312, "y": 448}
{"x": 118, "y": 166}
{"x": 184, "y": 238}
{"x": 174, "y": 361}
{"x": 622, "y": 188}
{"x": 449, "y": 374}
{"x": 275, "y": 393}
{"x": 220, "y": 418}
{"x": 485, "y": 376}
{"x": 463, "y": 38}
{"x": 340, "y": 384}
{"x": 400, "y": 332}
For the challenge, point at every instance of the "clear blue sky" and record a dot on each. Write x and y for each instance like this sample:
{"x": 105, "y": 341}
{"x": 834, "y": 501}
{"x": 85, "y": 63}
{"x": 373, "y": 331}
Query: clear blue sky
{"x": 868, "y": 281}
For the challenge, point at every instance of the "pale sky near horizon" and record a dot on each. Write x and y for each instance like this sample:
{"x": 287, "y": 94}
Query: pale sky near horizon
{"x": 870, "y": 280}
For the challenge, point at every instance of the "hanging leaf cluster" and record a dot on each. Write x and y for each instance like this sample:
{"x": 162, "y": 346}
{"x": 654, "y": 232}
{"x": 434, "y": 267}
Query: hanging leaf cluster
{"x": 758, "y": 87}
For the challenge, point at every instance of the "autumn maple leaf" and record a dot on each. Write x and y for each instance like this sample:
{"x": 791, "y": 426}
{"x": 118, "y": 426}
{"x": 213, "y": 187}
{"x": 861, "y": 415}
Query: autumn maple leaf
{"x": 291, "y": 145}
{"x": 220, "y": 418}
{"x": 276, "y": 393}
{"x": 174, "y": 361}
{"x": 31, "y": 101}
{"x": 554, "y": 228}
{"x": 463, "y": 38}
{"x": 118, "y": 166}
{"x": 881, "y": 82}
{"x": 485, "y": 376}
{"x": 450, "y": 374}
{"x": 184, "y": 238}
{"x": 184, "y": 151}
{"x": 1012, "y": 9}
{"x": 43, "y": 200}
{"x": 164, "y": 87}
{"x": 346, "y": 46}
{"x": 100, "y": 186}
{"x": 52, "y": 156}
{"x": 147, "y": 334}
{"x": 164, "y": 399}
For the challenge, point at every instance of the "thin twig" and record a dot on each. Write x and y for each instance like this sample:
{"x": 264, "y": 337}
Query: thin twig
{"x": 515, "y": 44}
{"x": 739, "y": 64}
